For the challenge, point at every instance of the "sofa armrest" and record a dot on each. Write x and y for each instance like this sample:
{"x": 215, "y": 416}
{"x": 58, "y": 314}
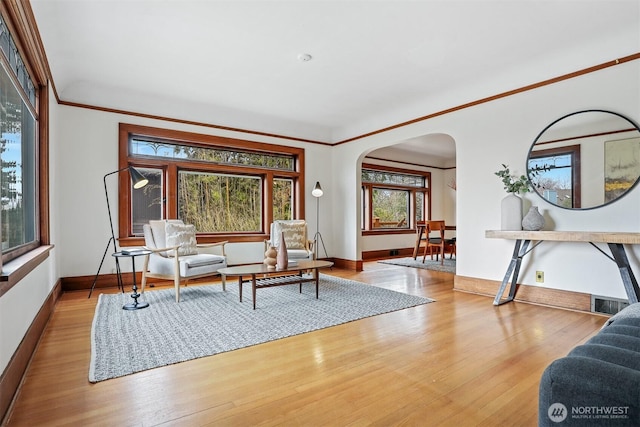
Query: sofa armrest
{"x": 589, "y": 389}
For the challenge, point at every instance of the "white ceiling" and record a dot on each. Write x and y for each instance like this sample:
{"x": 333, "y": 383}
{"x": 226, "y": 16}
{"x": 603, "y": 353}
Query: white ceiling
{"x": 374, "y": 63}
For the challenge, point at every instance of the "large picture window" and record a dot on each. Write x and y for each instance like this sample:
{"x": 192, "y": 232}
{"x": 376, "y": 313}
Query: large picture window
{"x": 225, "y": 187}
{"x": 393, "y": 199}
{"x": 217, "y": 203}
{"x": 18, "y": 153}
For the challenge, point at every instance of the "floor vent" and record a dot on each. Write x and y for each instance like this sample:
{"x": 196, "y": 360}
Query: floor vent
{"x": 607, "y": 305}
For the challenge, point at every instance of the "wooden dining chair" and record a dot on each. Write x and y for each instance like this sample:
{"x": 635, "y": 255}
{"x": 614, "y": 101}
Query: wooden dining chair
{"x": 436, "y": 240}
{"x": 421, "y": 238}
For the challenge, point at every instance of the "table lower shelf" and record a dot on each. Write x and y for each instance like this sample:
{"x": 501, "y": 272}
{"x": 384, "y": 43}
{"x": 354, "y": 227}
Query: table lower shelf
{"x": 267, "y": 282}
{"x": 281, "y": 280}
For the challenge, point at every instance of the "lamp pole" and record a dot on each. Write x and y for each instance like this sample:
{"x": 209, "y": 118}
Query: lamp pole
{"x": 138, "y": 181}
{"x": 317, "y": 193}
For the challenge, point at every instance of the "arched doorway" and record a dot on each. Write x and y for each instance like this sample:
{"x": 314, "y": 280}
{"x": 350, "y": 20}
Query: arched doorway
{"x": 432, "y": 157}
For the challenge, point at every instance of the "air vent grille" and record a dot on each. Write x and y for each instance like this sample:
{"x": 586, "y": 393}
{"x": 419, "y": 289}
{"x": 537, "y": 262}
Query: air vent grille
{"x": 607, "y": 305}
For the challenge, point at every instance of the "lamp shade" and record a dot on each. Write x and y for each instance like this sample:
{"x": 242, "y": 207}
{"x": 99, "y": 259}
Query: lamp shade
{"x": 317, "y": 190}
{"x": 137, "y": 179}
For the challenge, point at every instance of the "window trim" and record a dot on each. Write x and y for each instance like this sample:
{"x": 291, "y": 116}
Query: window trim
{"x": 20, "y": 25}
{"x": 574, "y": 151}
{"x": 190, "y": 138}
{"x": 369, "y": 186}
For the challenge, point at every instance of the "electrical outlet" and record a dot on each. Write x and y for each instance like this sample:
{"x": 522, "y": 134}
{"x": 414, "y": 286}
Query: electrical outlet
{"x": 540, "y": 276}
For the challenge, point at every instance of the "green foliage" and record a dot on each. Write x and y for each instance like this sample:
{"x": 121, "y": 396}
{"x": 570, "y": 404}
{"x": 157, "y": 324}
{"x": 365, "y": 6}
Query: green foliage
{"x": 216, "y": 155}
{"x": 513, "y": 183}
{"x": 282, "y": 199}
{"x": 215, "y": 203}
{"x": 220, "y": 203}
{"x": 390, "y": 205}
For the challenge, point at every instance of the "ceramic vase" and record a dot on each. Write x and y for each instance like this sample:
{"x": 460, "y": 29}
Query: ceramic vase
{"x": 270, "y": 258}
{"x": 282, "y": 258}
{"x": 511, "y": 213}
{"x": 533, "y": 220}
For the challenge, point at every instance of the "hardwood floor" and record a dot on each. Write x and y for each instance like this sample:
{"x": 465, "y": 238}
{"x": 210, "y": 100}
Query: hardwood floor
{"x": 459, "y": 361}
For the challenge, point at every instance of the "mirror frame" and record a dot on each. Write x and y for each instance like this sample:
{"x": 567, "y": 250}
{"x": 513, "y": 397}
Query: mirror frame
{"x": 529, "y": 153}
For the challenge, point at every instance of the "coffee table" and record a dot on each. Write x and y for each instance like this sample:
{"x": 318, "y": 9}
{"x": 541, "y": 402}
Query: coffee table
{"x": 275, "y": 277}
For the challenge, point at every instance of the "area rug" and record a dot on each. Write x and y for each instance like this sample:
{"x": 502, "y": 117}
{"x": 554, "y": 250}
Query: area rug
{"x": 208, "y": 320}
{"x": 448, "y": 267}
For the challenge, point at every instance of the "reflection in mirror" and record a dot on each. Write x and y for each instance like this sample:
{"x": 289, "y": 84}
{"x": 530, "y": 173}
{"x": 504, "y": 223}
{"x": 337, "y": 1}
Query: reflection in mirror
{"x": 585, "y": 159}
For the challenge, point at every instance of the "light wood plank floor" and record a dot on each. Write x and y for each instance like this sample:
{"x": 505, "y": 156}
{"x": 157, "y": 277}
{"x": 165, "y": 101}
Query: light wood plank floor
{"x": 459, "y": 361}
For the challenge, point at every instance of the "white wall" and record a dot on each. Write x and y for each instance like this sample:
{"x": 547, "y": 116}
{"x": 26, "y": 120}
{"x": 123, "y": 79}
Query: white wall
{"x": 499, "y": 132}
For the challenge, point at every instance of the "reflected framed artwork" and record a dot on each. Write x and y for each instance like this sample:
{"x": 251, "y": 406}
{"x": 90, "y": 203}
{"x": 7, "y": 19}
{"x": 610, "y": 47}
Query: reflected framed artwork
{"x": 621, "y": 166}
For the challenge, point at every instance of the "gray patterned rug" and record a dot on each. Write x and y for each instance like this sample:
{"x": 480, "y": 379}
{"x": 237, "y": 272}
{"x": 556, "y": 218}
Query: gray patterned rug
{"x": 208, "y": 321}
{"x": 448, "y": 267}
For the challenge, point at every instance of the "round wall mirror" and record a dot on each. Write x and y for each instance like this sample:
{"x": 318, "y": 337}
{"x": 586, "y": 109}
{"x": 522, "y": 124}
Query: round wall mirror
{"x": 585, "y": 160}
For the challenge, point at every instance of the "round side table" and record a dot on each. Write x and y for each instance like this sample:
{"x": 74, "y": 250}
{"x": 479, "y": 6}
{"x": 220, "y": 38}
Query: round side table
{"x": 135, "y": 305}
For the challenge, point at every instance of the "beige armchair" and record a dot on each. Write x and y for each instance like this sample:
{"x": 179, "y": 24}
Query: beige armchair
{"x": 177, "y": 256}
{"x": 299, "y": 247}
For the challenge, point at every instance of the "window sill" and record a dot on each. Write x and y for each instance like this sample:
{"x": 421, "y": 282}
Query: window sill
{"x": 15, "y": 270}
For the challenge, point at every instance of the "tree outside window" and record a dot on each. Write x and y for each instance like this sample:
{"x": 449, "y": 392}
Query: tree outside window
{"x": 393, "y": 199}
{"x": 219, "y": 202}
{"x": 223, "y": 186}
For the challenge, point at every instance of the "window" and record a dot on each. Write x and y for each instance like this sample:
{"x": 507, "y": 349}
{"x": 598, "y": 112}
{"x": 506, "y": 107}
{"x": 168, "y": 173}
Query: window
{"x": 217, "y": 203}
{"x": 555, "y": 174}
{"x": 282, "y": 199}
{"x": 19, "y": 206}
{"x": 225, "y": 187}
{"x": 393, "y": 199}
{"x": 148, "y": 202}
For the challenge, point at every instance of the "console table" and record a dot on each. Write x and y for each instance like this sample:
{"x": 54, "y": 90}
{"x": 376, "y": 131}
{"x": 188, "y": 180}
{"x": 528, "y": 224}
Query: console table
{"x": 615, "y": 241}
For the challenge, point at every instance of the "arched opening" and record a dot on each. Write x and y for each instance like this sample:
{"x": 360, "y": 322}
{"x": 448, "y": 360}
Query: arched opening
{"x": 392, "y": 203}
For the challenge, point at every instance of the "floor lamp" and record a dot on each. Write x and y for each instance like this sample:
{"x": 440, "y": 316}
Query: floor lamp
{"x": 317, "y": 193}
{"x": 138, "y": 181}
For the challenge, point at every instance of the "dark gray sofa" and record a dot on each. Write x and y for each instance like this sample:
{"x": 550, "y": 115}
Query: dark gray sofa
{"x": 597, "y": 383}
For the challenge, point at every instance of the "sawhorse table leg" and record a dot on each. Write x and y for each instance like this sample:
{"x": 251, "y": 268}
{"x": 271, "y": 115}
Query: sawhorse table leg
{"x": 628, "y": 279}
{"x": 519, "y": 251}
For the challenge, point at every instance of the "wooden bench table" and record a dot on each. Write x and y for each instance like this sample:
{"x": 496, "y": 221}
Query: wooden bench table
{"x": 275, "y": 277}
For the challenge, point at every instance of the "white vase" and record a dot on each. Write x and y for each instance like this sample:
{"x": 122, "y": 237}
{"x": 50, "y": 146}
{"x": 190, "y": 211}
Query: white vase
{"x": 533, "y": 220}
{"x": 511, "y": 214}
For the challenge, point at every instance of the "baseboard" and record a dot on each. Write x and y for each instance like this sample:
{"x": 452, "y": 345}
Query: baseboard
{"x": 526, "y": 293}
{"x": 533, "y": 294}
{"x": 79, "y": 283}
{"x": 386, "y": 253}
{"x": 348, "y": 264}
{"x": 17, "y": 366}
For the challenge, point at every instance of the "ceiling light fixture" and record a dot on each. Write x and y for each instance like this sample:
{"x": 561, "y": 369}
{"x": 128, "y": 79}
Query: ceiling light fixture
{"x": 304, "y": 57}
